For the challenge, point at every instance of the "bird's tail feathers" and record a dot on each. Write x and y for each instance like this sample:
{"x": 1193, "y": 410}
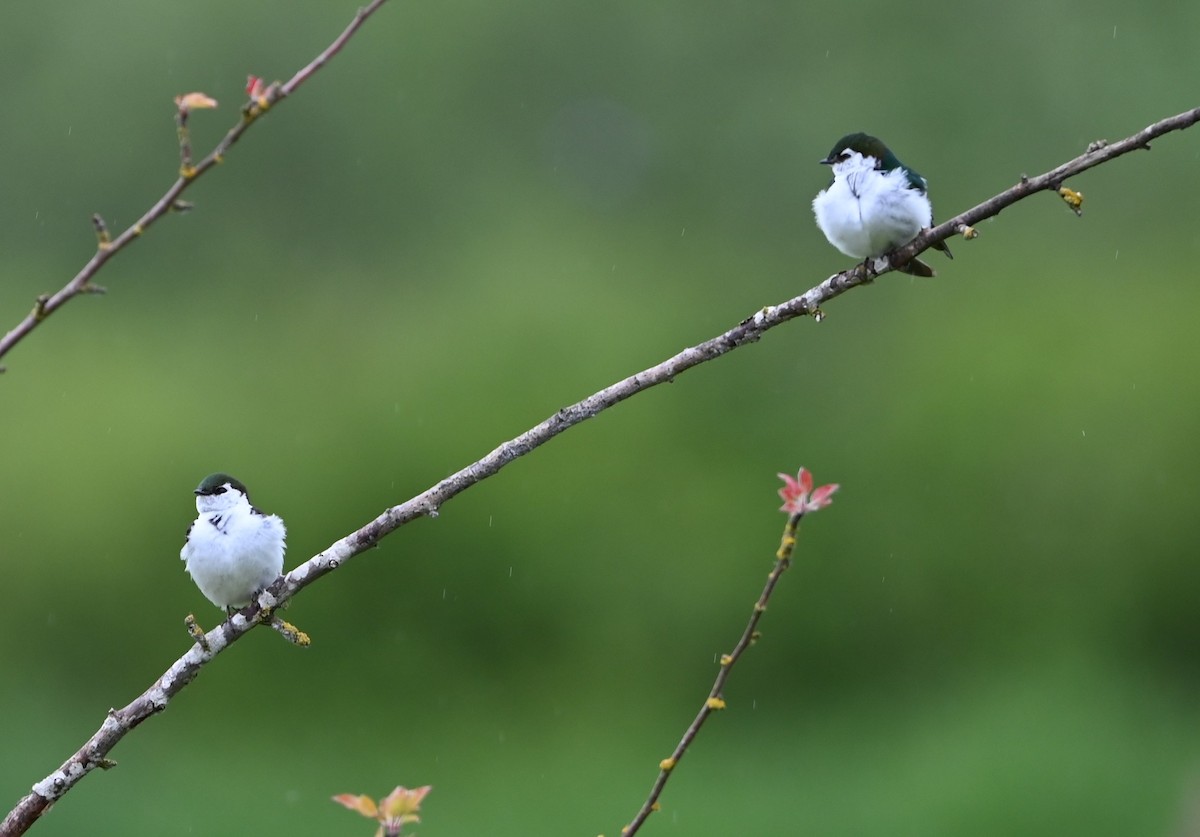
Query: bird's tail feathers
{"x": 916, "y": 267}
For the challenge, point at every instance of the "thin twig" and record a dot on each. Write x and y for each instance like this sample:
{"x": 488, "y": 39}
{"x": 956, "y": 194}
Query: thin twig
{"x": 1097, "y": 153}
{"x": 185, "y": 141}
{"x": 715, "y": 700}
{"x": 94, "y": 753}
{"x": 81, "y": 283}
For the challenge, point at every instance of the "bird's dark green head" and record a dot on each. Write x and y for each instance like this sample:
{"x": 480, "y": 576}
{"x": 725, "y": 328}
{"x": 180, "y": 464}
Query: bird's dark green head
{"x": 869, "y": 146}
{"x": 864, "y": 144}
{"x": 215, "y": 484}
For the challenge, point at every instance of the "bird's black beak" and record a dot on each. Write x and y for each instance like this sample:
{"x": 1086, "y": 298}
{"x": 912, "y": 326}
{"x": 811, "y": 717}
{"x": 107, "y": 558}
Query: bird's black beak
{"x": 828, "y": 161}
{"x": 197, "y": 492}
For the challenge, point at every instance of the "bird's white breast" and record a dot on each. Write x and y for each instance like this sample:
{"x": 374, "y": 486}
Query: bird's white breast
{"x": 232, "y": 554}
{"x": 867, "y": 213}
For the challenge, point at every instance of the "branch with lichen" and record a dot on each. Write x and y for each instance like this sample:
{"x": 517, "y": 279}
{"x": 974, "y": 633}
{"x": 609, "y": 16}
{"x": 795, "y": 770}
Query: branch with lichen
{"x": 94, "y": 753}
{"x": 261, "y": 98}
{"x": 799, "y": 498}
{"x": 1098, "y": 152}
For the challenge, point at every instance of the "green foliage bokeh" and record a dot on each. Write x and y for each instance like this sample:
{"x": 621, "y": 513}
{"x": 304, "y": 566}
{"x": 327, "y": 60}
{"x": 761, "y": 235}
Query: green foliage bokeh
{"x": 481, "y": 212}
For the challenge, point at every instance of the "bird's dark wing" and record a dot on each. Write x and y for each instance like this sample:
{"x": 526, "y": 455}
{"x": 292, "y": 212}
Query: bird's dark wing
{"x": 915, "y": 181}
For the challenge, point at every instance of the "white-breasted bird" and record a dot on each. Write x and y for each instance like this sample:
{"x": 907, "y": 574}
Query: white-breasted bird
{"x": 232, "y": 549}
{"x": 875, "y": 203}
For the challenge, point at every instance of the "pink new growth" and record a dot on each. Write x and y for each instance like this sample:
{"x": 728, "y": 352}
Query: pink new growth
{"x": 798, "y": 494}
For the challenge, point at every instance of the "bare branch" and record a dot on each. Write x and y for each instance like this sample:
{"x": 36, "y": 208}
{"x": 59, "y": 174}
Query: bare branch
{"x": 94, "y": 753}
{"x": 715, "y": 700}
{"x": 1098, "y": 152}
{"x": 117, "y": 723}
{"x": 82, "y": 281}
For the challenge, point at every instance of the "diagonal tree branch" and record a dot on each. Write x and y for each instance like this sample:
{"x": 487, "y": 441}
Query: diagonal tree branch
{"x": 107, "y": 248}
{"x": 94, "y": 753}
{"x": 715, "y": 701}
{"x": 1098, "y": 152}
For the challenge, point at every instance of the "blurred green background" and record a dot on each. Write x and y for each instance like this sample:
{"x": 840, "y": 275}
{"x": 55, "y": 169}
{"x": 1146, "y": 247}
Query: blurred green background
{"x": 481, "y": 212}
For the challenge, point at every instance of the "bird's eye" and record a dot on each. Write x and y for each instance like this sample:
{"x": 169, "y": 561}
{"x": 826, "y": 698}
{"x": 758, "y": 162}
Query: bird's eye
{"x": 220, "y": 490}
{"x": 845, "y": 155}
